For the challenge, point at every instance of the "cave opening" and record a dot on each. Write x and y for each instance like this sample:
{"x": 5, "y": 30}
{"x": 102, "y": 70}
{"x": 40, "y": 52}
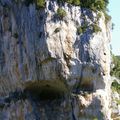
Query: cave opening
{"x": 46, "y": 90}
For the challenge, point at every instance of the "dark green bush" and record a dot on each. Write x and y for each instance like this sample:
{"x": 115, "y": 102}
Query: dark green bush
{"x": 82, "y": 29}
{"x": 115, "y": 71}
{"x": 41, "y": 3}
{"x": 99, "y": 16}
{"x": 94, "y": 4}
{"x": 69, "y": 1}
{"x": 107, "y": 17}
{"x": 79, "y": 30}
{"x": 61, "y": 13}
{"x": 116, "y": 86}
{"x": 96, "y": 28}
{"x": 76, "y": 2}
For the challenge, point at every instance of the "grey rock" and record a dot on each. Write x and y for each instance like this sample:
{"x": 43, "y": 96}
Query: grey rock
{"x": 42, "y": 62}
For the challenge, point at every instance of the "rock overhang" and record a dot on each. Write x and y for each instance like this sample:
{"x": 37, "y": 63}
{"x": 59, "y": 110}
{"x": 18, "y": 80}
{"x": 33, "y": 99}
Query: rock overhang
{"x": 46, "y": 89}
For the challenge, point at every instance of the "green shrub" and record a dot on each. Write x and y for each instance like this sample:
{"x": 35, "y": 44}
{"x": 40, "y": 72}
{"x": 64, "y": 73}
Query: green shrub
{"x": 82, "y": 29}
{"x": 79, "y": 30}
{"x": 118, "y": 102}
{"x": 99, "y": 16}
{"x": 96, "y": 28}
{"x": 69, "y": 1}
{"x": 40, "y": 3}
{"x": 116, "y": 87}
{"x": 95, "y": 5}
{"x": 115, "y": 71}
{"x": 76, "y": 2}
{"x": 61, "y": 13}
{"x": 107, "y": 17}
{"x": 99, "y": 4}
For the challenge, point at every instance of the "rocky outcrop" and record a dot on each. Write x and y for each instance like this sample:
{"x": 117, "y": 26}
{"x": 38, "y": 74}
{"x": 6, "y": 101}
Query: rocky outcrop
{"x": 47, "y": 70}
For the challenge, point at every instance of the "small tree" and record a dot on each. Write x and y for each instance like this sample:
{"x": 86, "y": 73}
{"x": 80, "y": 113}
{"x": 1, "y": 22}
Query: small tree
{"x": 41, "y": 3}
{"x": 96, "y": 28}
{"x": 61, "y": 13}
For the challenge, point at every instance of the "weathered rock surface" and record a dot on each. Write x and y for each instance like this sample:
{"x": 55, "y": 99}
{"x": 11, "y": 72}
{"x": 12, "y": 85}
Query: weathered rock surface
{"x": 48, "y": 75}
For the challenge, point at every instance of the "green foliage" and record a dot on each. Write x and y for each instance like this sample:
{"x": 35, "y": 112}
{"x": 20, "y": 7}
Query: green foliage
{"x": 118, "y": 102}
{"x": 94, "y": 4}
{"x": 76, "y": 2}
{"x": 107, "y": 17}
{"x": 61, "y": 13}
{"x": 69, "y": 1}
{"x": 81, "y": 29}
{"x": 115, "y": 71}
{"x": 40, "y": 3}
{"x": 99, "y": 16}
{"x": 73, "y": 2}
{"x": 96, "y": 28}
{"x": 116, "y": 86}
{"x": 95, "y": 118}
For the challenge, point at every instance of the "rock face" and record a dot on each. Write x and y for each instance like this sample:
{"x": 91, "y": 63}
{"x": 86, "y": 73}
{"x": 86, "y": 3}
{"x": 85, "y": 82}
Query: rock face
{"x": 47, "y": 70}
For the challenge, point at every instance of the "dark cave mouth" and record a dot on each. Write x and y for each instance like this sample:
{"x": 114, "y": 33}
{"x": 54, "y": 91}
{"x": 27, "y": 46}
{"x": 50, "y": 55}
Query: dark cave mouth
{"x": 46, "y": 90}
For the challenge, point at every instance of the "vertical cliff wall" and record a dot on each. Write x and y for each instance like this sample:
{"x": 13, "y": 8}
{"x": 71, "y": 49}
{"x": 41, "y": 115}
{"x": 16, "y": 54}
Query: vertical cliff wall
{"x": 50, "y": 68}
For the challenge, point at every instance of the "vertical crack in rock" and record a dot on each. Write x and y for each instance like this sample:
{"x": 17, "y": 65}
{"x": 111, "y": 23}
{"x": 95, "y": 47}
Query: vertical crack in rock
{"x": 72, "y": 106}
{"x": 20, "y": 42}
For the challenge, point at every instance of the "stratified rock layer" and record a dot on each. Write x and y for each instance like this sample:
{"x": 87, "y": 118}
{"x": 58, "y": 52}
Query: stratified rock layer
{"x": 47, "y": 70}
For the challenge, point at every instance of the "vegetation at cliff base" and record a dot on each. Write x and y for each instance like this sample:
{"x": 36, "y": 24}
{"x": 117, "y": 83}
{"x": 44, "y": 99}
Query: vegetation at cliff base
{"x": 115, "y": 70}
{"x": 116, "y": 86}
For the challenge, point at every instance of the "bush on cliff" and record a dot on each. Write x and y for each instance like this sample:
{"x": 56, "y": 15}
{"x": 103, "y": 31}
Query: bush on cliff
{"x": 61, "y": 13}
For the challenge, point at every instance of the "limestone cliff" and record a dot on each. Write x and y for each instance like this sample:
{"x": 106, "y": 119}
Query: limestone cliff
{"x": 50, "y": 71}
